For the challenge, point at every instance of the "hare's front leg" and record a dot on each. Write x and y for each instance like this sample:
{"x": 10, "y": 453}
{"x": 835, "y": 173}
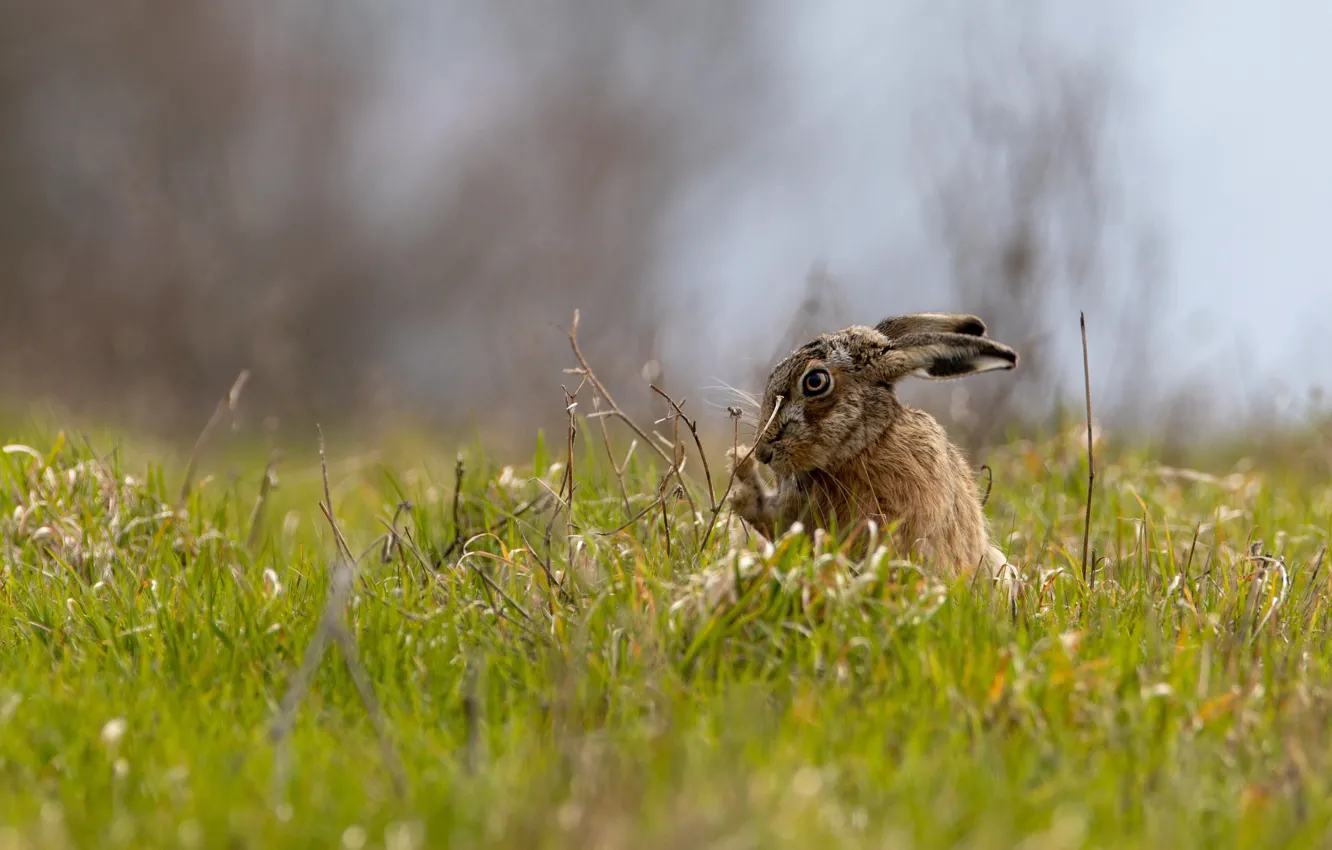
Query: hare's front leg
{"x": 750, "y": 498}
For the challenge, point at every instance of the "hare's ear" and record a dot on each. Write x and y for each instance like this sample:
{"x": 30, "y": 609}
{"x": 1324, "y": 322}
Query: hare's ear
{"x": 941, "y": 356}
{"x": 924, "y": 323}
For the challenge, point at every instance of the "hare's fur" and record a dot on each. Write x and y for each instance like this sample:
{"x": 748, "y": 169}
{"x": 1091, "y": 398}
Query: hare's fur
{"x": 855, "y": 453}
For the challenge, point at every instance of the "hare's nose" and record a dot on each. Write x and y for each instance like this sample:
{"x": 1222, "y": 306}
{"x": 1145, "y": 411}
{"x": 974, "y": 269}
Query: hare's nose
{"x": 764, "y": 454}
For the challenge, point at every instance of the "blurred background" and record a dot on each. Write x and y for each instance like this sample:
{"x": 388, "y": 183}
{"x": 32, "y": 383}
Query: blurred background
{"x": 389, "y": 211}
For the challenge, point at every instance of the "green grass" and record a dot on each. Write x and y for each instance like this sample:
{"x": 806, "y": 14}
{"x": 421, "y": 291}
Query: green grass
{"x": 738, "y": 697}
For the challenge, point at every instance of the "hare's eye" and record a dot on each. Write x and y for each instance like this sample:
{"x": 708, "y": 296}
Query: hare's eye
{"x": 816, "y": 382}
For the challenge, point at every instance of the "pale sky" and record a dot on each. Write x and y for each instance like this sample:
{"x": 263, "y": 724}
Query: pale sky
{"x": 1236, "y": 98}
{"x": 1225, "y": 121}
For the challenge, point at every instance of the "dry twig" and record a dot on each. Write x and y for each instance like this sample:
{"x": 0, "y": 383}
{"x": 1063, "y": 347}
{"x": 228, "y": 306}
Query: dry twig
{"x": 266, "y": 486}
{"x": 730, "y": 481}
{"x": 586, "y": 371}
{"x": 458, "y": 470}
{"x": 225, "y": 406}
{"x": 1091, "y": 452}
{"x": 605, "y": 439}
{"x": 333, "y": 629}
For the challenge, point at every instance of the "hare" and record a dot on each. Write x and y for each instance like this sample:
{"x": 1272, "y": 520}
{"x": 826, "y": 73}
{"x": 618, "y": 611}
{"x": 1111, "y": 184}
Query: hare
{"x": 844, "y": 449}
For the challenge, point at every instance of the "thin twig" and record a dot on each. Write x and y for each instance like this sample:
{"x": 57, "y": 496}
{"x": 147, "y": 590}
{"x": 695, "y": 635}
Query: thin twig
{"x": 333, "y": 628}
{"x": 678, "y": 460}
{"x": 406, "y": 543}
{"x": 730, "y": 481}
{"x": 493, "y": 528}
{"x": 344, "y": 579}
{"x": 458, "y": 471}
{"x": 566, "y": 476}
{"x": 635, "y": 518}
{"x": 392, "y": 542}
{"x": 558, "y": 498}
{"x": 571, "y": 407}
{"x": 1313, "y": 586}
{"x": 494, "y": 609}
{"x": 1184, "y": 573}
{"x": 660, "y": 497}
{"x": 544, "y": 562}
{"x": 605, "y": 439}
{"x": 486, "y": 581}
{"x": 692, "y": 425}
{"x": 108, "y": 479}
{"x": 586, "y": 371}
{"x": 666, "y": 526}
{"x": 326, "y": 506}
{"x": 736, "y": 415}
{"x": 491, "y": 582}
{"x": 1091, "y": 454}
{"x": 266, "y": 486}
{"x": 225, "y": 406}
{"x": 340, "y": 542}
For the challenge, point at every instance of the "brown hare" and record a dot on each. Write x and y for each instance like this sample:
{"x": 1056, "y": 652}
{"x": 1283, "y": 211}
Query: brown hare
{"x": 845, "y": 450}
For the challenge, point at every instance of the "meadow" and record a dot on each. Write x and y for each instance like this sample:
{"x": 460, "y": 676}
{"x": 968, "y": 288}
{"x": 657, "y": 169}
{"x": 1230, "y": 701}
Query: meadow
{"x": 466, "y": 652}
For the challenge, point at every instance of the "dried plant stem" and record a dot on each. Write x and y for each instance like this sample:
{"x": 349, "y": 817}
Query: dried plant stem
{"x": 735, "y": 413}
{"x": 1313, "y": 586}
{"x": 490, "y": 582}
{"x": 676, "y": 458}
{"x": 392, "y": 542}
{"x": 610, "y": 456}
{"x": 225, "y": 406}
{"x": 1091, "y": 453}
{"x": 586, "y": 372}
{"x": 676, "y": 470}
{"x": 635, "y": 518}
{"x": 266, "y": 486}
{"x": 459, "y": 469}
{"x": 326, "y": 507}
{"x": 571, "y": 405}
{"x": 665, "y": 525}
{"x": 692, "y": 425}
{"x": 333, "y": 629}
{"x": 730, "y": 481}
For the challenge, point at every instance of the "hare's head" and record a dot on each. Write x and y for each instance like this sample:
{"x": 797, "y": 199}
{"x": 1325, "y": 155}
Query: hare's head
{"x": 837, "y": 393}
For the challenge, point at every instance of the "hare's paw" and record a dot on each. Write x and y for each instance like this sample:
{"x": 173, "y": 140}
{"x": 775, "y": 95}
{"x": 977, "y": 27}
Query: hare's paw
{"x": 750, "y": 498}
{"x": 746, "y": 500}
{"x": 741, "y": 461}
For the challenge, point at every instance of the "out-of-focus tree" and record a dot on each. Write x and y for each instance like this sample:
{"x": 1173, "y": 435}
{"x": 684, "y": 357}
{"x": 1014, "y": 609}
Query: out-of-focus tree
{"x": 1030, "y": 211}
{"x": 179, "y": 203}
{"x": 562, "y": 200}
{"x": 172, "y": 217}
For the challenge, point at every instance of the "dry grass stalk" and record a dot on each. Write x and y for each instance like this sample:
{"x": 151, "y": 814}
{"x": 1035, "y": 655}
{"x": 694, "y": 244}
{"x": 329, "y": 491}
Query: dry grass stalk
{"x": 1091, "y": 452}
{"x": 333, "y": 629}
{"x": 225, "y": 406}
